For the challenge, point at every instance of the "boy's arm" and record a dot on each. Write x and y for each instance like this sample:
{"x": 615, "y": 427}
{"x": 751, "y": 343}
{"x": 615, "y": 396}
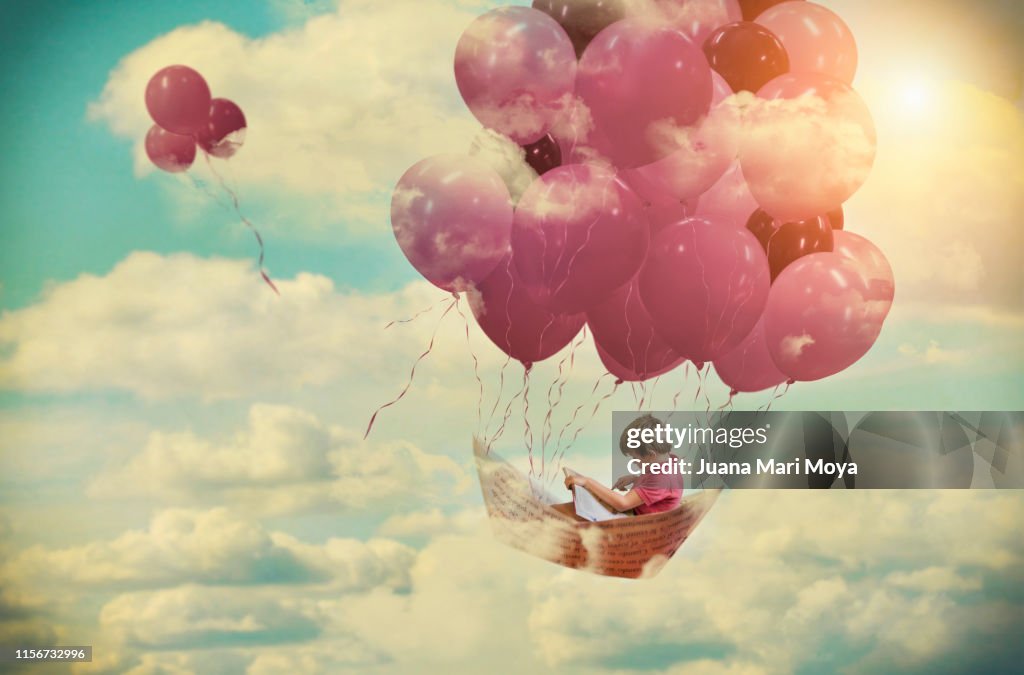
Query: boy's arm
{"x": 618, "y": 501}
{"x": 624, "y": 482}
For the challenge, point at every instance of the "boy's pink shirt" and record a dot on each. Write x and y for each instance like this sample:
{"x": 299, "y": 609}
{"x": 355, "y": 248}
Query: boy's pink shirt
{"x": 658, "y": 492}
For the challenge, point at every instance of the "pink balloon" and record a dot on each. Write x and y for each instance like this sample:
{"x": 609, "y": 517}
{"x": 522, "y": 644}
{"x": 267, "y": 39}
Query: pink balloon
{"x": 516, "y": 324}
{"x": 643, "y": 84}
{"x": 809, "y": 145}
{"x": 625, "y": 374}
{"x": 515, "y": 68}
{"x": 452, "y": 217}
{"x": 707, "y": 149}
{"x": 749, "y": 367}
{"x": 704, "y": 285}
{"x": 875, "y": 267}
{"x": 579, "y": 233}
{"x": 178, "y": 99}
{"x": 822, "y": 316}
{"x": 729, "y": 200}
{"x": 665, "y": 212}
{"x": 224, "y": 131}
{"x": 173, "y": 153}
{"x": 815, "y": 38}
{"x": 622, "y": 330}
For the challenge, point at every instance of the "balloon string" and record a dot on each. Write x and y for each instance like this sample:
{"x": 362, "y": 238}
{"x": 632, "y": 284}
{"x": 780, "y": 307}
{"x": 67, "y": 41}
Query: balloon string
{"x": 507, "y": 415}
{"x": 508, "y": 346}
{"x": 246, "y": 221}
{"x": 497, "y": 399}
{"x": 559, "y": 381}
{"x": 202, "y": 186}
{"x": 476, "y": 366}
{"x": 700, "y": 382}
{"x": 764, "y": 406}
{"x": 425, "y": 310}
{"x": 593, "y": 414}
{"x": 576, "y": 412}
{"x": 650, "y": 394}
{"x": 629, "y": 334}
{"x": 777, "y": 397}
{"x": 679, "y": 392}
{"x": 527, "y": 429}
{"x": 707, "y": 398}
{"x": 412, "y": 371}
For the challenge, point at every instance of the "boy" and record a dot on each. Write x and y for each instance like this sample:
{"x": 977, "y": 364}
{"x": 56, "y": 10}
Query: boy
{"x": 651, "y": 493}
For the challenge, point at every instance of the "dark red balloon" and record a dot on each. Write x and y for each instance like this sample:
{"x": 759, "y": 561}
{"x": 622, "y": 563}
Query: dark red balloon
{"x": 582, "y": 19}
{"x": 623, "y": 330}
{"x": 763, "y": 226}
{"x": 178, "y": 99}
{"x": 746, "y": 55}
{"x": 836, "y": 218}
{"x": 516, "y": 324}
{"x": 785, "y": 243}
{"x": 173, "y": 153}
{"x": 753, "y": 8}
{"x": 543, "y": 155}
{"x": 224, "y": 131}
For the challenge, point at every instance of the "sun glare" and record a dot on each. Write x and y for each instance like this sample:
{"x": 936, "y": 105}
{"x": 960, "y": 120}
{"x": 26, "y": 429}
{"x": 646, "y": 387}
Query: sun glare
{"x": 916, "y": 96}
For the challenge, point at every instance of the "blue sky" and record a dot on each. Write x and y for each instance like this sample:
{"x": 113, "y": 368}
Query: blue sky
{"x": 177, "y": 442}
{"x": 76, "y": 206}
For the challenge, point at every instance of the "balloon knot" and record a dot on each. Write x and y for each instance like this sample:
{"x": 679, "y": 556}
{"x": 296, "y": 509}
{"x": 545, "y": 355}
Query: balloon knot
{"x": 619, "y": 381}
{"x": 791, "y": 381}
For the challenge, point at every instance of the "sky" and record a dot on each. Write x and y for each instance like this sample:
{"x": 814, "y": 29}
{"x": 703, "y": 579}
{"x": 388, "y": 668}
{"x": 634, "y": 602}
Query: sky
{"x": 183, "y": 480}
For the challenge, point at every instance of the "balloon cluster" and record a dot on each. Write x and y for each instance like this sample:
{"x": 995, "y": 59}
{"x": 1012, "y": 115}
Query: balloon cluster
{"x": 692, "y": 158}
{"x": 179, "y": 101}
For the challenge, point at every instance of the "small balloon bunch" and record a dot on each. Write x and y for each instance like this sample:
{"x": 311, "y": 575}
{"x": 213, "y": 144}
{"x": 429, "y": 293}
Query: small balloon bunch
{"x": 179, "y": 101}
{"x": 692, "y": 158}
{"x": 185, "y": 115}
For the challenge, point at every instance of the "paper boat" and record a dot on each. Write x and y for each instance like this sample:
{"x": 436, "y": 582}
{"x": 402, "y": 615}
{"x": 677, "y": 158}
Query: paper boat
{"x": 525, "y": 517}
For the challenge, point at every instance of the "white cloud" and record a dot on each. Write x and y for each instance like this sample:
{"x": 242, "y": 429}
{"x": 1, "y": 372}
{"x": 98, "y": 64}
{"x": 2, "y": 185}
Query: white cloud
{"x": 285, "y": 460}
{"x": 506, "y": 158}
{"x": 194, "y": 616}
{"x": 793, "y": 345}
{"x": 933, "y": 580}
{"x": 935, "y": 353}
{"x": 214, "y": 546}
{"x": 338, "y": 106}
{"x": 825, "y": 575}
{"x": 180, "y": 325}
{"x": 431, "y": 523}
{"x": 835, "y": 578}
